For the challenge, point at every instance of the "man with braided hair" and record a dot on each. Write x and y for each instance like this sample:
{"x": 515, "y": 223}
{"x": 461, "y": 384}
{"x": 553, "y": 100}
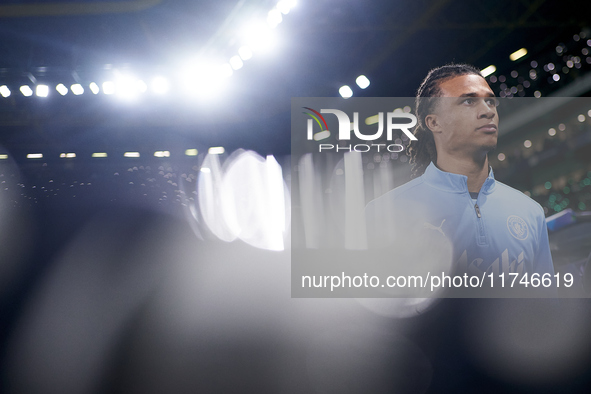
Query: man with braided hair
{"x": 490, "y": 227}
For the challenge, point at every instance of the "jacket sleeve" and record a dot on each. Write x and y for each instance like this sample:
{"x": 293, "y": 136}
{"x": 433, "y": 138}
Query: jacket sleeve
{"x": 543, "y": 258}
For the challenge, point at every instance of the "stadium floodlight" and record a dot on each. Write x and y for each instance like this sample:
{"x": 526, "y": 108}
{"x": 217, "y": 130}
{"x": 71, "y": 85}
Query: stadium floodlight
{"x": 285, "y": 6}
{"x": 205, "y": 80}
{"x": 226, "y": 70}
{"x": 42, "y": 90}
{"x": 274, "y": 17}
{"x": 362, "y": 81}
{"x": 67, "y": 155}
{"x": 108, "y": 87}
{"x": 99, "y": 154}
{"x": 77, "y": 89}
{"x": 216, "y": 150}
{"x": 3, "y": 156}
{"x": 485, "y": 72}
{"x": 191, "y": 152}
{"x": 160, "y": 85}
{"x": 4, "y": 91}
{"x": 62, "y": 89}
{"x": 162, "y": 153}
{"x": 141, "y": 86}
{"x": 26, "y": 91}
{"x": 236, "y": 62}
{"x": 94, "y": 88}
{"x": 35, "y": 156}
{"x": 129, "y": 86}
{"x": 372, "y": 119}
{"x": 258, "y": 36}
{"x": 245, "y": 52}
{"x": 345, "y": 91}
{"x": 131, "y": 154}
{"x": 518, "y": 54}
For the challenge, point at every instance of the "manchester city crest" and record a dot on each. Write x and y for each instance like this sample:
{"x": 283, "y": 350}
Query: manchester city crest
{"x": 517, "y": 227}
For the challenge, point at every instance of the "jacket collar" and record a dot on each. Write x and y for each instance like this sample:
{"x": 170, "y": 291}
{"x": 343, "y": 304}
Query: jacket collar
{"x": 454, "y": 183}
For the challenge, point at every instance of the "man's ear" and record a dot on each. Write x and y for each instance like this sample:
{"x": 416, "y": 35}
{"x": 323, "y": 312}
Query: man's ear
{"x": 432, "y": 122}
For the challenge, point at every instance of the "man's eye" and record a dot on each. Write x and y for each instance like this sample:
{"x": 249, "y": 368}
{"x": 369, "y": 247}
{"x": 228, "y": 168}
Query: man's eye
{"x": 469, "y": 101}
{"x": 492, "y": 102}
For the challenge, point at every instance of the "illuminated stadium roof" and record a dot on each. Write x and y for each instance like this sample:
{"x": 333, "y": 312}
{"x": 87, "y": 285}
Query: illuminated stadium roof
{"x": 226, "y": 64}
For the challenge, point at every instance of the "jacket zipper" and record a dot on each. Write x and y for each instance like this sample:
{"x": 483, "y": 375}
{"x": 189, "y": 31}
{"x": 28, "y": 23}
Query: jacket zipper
{"x": 481, "y": 234}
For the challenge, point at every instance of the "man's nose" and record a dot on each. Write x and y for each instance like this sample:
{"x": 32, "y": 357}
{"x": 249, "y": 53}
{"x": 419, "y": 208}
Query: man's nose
{"x": 487, "y": 110}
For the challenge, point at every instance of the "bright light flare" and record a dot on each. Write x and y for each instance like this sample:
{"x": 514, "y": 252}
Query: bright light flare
{"x": 42, "y": 90}
{"x": 109, "y": 87}
{"x": 126, "y": 86}
{"x": 274, "y": 18}
{"x": 236, "y": 62}
{"x": 4, "y": 91}
{"x": 210, "y": 189}
{"x": 141, "y": 86}
{"x": 99, "y": 154}
{"x": 3, "y": 156}
{"x": 226, "y": 70}
{"x": 62, "y": 89}
{"x": 206, "y": 80}
{"x": 372, "y": 119}
{"x": 285, "y": 6}
{"x": 485, "y": 72}
{"x": 247, "y": 200}
{"x": 160, "y": 85}
{"x": 216, "y": 150}
{"x": 162, "y": 153}
{"x": 362, "y": 81}
{"x": 35, "y": 156}
{"x": 129, "y": 87}
{"x": 94, "y": 88}
{"x": 77, "y": 89}
{"x": 26, "y": 91}
{"x": 67, "y": 155}
{"x": 245, "y": 52}
{"x": 345, "y": 91}
{"x": 518, "y": 54}
{"x": 131, "y": 154}
{"x": 258, "y": 37}
{"x": 191, "y": 152}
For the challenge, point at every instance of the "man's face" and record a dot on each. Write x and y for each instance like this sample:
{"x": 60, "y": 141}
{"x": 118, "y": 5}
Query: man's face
{"x": 465, "y": 121}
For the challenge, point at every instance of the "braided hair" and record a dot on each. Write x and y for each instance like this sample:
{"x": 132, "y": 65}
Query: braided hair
{"x": 422, "y": 151}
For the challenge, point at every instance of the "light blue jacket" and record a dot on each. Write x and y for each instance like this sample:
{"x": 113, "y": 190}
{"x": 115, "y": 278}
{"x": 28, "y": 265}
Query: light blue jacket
{"x": 503, "y": 231}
